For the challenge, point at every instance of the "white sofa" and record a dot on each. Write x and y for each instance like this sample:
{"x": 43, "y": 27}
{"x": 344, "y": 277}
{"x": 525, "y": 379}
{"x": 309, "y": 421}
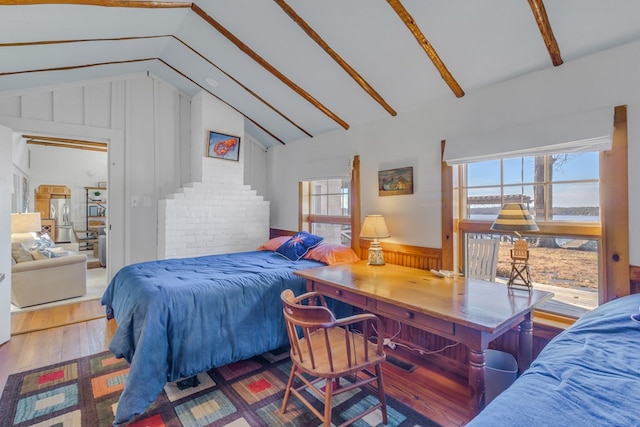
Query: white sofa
{"x": 47, "y": 280}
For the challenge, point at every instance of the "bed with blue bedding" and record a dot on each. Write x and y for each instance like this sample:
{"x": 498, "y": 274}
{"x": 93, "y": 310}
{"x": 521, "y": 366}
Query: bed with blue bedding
{"x": 179, "y": 317}
{"x": 589, "y": 375}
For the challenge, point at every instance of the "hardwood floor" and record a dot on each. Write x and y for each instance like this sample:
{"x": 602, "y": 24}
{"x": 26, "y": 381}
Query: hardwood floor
{"x": 437, "y": 394}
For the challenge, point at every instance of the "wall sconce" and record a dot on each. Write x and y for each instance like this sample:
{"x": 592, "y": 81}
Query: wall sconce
{"x": 515, "y": 217}
{"x": 374, "y": 228}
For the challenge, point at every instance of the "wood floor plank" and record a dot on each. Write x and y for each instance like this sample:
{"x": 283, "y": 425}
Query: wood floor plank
{"x": 440, "y": 396}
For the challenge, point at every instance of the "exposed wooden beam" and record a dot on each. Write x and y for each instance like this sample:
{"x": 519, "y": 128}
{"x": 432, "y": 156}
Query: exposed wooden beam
{"x": 540, "y": 13}
{"x": 334, "y": 55}
{"x": 49, "y": 42}
{"x": 104, "y": 3}
{"x": 428, "y": 48}
{"x": 77, "y": 144}
{"x": 72, "y": 67}
{"x": 261, "y": 61}
{"x": 213, "y": 94}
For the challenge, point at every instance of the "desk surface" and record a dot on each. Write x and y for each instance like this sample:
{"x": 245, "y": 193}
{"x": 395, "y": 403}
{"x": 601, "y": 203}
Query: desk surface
{"x": 483, "y": 306}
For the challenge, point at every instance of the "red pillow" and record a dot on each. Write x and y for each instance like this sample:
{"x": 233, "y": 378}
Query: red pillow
{"x": 273, "y": 244}
{"x": 331, "y": 253}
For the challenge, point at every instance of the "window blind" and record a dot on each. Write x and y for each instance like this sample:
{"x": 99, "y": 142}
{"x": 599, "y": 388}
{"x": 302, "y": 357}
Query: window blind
{"x": 589, "y": 131}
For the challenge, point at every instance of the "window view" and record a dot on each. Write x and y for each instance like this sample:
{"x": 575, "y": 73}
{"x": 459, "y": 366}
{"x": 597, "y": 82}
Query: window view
{"x": 325, "y": 209}
{"x": 561, "y": 192}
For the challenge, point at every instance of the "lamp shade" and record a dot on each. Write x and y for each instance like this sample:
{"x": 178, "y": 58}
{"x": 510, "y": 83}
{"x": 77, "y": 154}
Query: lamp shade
{"x": 374, "y": 227}
{"x": 514, "y": 217}
{"x": 25, "y": 222}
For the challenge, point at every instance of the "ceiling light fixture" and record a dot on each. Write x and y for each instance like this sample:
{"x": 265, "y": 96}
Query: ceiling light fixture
{"x": 211, "y": 82}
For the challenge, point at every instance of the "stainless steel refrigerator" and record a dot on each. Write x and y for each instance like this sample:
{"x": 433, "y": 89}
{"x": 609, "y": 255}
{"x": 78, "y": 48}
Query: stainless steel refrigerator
{"x": 60, "y": 210}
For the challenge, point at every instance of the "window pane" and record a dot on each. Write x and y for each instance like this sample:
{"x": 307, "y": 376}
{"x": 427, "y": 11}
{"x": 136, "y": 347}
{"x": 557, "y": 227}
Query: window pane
{"x": 578, "y": 166}
{"x": 483, "y": 203}
{"x": 518, "y": 170}
{"x": 566, "y": 266}
{"x": 333, "y": 233}
{"x": 483, "y": 173}
{"x": 576, "y": 202}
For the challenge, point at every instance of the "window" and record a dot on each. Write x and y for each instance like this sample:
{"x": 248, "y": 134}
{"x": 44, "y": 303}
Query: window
{"x": 562, "y": 193}
{"x": 325, "y": 209}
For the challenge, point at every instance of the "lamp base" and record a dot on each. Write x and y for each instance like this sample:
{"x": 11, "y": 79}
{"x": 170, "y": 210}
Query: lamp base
{"x": 376, "y": 256}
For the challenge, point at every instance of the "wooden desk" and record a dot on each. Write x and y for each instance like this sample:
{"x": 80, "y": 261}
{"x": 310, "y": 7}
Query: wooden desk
{"x": 468, "y": 311}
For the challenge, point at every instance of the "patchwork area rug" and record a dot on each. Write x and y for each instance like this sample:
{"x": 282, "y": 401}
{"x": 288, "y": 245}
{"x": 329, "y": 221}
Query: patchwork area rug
{"x": 85, "y": 391}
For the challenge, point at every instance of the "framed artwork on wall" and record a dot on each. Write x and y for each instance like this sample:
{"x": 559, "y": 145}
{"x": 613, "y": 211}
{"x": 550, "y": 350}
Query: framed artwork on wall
{"x": 221, "y": 146}
{"x": 393, "y": 182}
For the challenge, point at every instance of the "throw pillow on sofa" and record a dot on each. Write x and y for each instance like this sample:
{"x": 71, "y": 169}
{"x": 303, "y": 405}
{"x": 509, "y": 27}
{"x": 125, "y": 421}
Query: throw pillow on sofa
{"x": 20, "y": 253}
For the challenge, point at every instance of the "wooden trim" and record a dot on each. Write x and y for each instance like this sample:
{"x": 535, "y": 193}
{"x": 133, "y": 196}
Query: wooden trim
{"x": 448, "y": 244}
{"x": 428, "y": 48}
{"x": 277, "y": 232}
{"x": 356, "y": 210}
{"x": 406, "y": 255}
{"x": 102, "y": 3}
{"x": 252, "y": 93}
{"x": 589, "y": 231}
{"x": 329, "y": 219}
{"x": 614, "y": 210}
{"x": 325, "y": 46}
{"x": 540, "y": 14}
{"x": 262, "y": 62}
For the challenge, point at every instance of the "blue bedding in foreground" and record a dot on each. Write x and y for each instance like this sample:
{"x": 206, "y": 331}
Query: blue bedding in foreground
{"x": 587, "y": 376}
{"x": 179, "y": 317}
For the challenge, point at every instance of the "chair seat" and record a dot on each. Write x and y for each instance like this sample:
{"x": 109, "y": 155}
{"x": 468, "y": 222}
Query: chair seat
{"x": 342, "y": 364}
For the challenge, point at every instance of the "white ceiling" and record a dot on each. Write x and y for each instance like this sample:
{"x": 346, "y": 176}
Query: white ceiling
{"x": 481, "y": 43}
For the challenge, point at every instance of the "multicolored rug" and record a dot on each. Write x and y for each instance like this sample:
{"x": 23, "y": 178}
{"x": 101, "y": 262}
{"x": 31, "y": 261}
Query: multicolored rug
{"x": 85, "y": 391}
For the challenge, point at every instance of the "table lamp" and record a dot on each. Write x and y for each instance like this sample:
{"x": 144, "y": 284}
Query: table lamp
{"x": 25, "y": 222}
{"x": 374, "y": 228}
{"x": 515, "y": 217}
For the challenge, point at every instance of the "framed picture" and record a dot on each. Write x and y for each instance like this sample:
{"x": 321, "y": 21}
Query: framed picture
{"x": 393, "y": 182}
{"x": 223, "y": 146}
{"x": 93, "y": 211}
{"x": 102, "y": 184}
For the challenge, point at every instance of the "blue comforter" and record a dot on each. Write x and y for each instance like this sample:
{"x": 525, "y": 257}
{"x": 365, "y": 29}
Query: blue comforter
{"x": 179, "y": 317}
{"x": 589, "y": 375}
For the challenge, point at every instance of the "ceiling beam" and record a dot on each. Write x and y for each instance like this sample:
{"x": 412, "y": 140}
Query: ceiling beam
{"x": 104, "y": 3}
{"x": 325, "y": 46}
{"x": 258, "y": 97}
{"x": 77, "y": 144}
{"x": 540, "y": 14}
{"x": 261, "y": 61}
{"x": 428, "y": 48}
{"x": 73, "y": 67}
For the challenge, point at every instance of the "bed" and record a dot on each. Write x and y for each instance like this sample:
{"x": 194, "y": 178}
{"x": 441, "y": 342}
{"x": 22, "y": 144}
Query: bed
{"x": 588, "y": 375}
{"x": 179, "y": 317}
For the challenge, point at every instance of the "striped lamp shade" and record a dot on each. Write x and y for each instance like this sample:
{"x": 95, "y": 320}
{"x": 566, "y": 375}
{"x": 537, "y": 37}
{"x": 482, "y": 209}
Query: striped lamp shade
{"x": 514, "y": 217}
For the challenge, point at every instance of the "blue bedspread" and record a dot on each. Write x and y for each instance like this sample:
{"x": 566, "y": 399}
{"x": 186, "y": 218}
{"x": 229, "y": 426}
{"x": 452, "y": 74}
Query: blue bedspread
{"x": 589, "y": 375}
{"x": 180, "y": 317}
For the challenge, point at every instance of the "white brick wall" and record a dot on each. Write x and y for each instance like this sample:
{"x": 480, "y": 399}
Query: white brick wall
{"x": 218, "y": 216}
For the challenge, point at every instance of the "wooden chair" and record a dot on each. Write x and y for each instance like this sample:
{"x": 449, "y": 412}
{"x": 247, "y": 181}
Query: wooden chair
{"x": 327, "y": 350}
{"x": 482, "y": 259}
{"x": 520, "y": 264}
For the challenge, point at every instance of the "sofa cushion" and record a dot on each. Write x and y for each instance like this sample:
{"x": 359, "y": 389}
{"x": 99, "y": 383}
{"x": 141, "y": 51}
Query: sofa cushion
{"x": 38, "y": 255}
{"x": 20, "y": 253}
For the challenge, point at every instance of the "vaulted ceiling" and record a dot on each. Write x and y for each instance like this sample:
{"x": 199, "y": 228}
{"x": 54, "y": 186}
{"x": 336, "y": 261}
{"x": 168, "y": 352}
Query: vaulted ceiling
{"x": 299, "y": 68}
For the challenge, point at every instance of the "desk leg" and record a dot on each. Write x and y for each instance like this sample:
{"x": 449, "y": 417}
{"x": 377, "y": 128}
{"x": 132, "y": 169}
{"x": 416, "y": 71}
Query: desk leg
{"x": 476, "y": 381}
{"x": 525, "y": 343}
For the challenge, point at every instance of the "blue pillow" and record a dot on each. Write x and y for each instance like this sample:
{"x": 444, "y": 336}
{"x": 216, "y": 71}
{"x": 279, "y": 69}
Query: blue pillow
{"x": 297, "y": 246}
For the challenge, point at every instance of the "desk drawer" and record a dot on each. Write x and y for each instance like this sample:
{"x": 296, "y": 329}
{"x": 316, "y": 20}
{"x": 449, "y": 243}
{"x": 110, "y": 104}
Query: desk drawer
{"x": 412, "y": 317}
{"x": 341, "y": 295}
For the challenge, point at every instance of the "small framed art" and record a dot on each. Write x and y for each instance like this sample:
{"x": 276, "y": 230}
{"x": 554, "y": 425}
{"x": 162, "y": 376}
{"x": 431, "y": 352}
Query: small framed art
{"x": 221, "y": 146}
{"x": 393, "y": 182}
